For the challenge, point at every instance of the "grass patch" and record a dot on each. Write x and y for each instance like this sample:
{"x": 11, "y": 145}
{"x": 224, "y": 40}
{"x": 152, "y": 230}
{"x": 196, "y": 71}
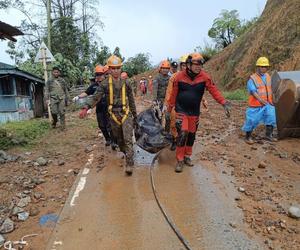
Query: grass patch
{"x": 238, "y": 95}
{"x": 22, "y": 133}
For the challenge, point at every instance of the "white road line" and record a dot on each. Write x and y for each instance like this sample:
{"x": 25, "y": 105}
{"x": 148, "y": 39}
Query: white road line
{"x": 85, "y": 171}
{"x": 79, "y": 188}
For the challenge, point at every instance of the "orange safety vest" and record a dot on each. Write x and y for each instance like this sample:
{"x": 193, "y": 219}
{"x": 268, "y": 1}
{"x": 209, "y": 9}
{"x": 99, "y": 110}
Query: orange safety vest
{"x": 264, "y": 90}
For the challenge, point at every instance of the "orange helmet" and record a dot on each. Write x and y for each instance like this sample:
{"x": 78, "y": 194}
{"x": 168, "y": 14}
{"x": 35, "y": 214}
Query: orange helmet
{"x": 100, "y": 69}
{"x": 114, "y": 61}
{"x": 165, "y": 64}
{"x": 124, "y": 75}
{"x": 195, "y": 58}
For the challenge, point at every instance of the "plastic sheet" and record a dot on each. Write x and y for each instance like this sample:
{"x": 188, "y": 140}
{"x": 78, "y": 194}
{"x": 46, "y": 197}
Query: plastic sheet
{"x": 150, "y": 134}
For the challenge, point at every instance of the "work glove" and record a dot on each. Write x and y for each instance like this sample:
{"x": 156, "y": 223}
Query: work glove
{"x": 76, "y": 98}
{"x": 227, "y": 108}
{"x": 83, "y": 113}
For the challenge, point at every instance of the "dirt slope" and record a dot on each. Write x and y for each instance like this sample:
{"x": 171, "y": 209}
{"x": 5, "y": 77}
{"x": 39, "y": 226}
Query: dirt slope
{"x": 275, "y": 35}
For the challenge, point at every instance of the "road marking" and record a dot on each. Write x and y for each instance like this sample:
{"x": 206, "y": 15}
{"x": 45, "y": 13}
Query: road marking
{"x": 82, "y": 181}
{"x": 85, "y": 171}
{"x": 79, "y": 188}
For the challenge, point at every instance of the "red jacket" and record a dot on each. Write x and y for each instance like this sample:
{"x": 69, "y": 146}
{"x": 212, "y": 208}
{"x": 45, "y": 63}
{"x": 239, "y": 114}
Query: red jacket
{"x": 187, "y": 94}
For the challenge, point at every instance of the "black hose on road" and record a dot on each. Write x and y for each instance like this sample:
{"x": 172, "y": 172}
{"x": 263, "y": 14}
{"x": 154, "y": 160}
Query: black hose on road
{"x": 168, "y": 219}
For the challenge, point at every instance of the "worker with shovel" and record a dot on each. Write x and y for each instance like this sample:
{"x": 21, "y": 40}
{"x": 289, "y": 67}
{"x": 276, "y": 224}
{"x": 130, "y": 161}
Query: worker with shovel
{"x": 121, "y": 108}
{"x": 261, "y": 108}
{"x": 188, "y": 89}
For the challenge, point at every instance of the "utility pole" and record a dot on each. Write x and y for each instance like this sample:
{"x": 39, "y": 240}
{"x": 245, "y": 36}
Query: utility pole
{"x": 49, "y": 23}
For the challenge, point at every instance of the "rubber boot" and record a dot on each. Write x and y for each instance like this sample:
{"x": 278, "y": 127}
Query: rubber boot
{"x": 188, "y": 161}
{"x": 269, "y": 133}
{"x": 54, "y": 120}
{"x": 179, "y": 166}
{"x": 62, "y": 123}
{"x": 173, "y": 145}
{"x": 248, "y": 138}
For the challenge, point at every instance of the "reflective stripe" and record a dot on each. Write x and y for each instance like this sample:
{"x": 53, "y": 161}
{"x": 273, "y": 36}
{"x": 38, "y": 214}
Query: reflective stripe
{"x": 264, "y": 90}
{"x": 111, "y": 102}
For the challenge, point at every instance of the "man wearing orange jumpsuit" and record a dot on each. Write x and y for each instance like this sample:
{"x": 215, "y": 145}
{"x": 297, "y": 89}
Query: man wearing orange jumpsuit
{"x": 188, "y": 89}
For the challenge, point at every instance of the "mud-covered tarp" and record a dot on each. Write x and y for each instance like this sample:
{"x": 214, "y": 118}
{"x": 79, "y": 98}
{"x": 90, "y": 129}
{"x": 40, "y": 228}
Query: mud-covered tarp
{"x": 150, "y": 134}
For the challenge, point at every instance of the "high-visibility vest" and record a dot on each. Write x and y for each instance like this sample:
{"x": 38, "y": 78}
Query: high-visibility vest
{"x": 264, "y": 90}
{"x": 125, "y": 108}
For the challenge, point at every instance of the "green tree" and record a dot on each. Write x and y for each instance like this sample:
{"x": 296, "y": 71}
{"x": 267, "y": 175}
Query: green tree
{"x": 225, "y": 28}
{"x": 101, "y": 56}
{"x": 137, "y": 64}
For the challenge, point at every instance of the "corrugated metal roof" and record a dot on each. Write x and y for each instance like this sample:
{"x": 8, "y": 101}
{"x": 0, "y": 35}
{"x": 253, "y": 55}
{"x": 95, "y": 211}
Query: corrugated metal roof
{"x": 7, "y": 32}
{"x": 6, "y": 69}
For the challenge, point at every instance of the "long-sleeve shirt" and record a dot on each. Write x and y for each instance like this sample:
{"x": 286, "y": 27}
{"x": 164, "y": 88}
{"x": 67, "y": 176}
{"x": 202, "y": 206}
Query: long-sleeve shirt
{"x": 103, "y": 91}
{"x": 187, "y": 94}
{"x": 56, "y": 88}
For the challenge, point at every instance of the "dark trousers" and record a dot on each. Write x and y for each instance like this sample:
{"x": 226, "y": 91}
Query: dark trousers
{"x": 104, "y": 125}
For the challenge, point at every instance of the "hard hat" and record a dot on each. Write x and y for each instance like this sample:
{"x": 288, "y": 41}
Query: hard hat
{"x": 165, "y": 64}
{"x": 195, "y": 58}
{"x": 100, "y": 69}
{"x": 114, "y": 61}
{"x": 262, "y": 62}
{"x": 183, "y": 58}
{"x": 124, "y": 75}
{"x": 174, "y": 64}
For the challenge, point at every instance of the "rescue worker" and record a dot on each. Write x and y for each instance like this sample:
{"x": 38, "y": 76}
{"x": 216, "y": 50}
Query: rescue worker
{"x": 174, "y": 68}
{"x": 161, "y": 83}
{"x": 261, "y": 108}
{"x": 101, "y": 107}
{"x": 121, "y": 108}
{"x": 170, "y": 117}
{"x": 188, "y": 90}
{"x": 57, "y": 94}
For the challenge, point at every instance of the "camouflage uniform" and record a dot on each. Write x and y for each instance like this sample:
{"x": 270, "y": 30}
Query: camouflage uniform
{"x": 160, "y": 87}
{"x": 124, "y": 132}
{"x": 57, "y": 92}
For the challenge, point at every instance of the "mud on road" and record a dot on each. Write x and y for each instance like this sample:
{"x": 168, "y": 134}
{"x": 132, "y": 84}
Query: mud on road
{"x": 229, "y": 200}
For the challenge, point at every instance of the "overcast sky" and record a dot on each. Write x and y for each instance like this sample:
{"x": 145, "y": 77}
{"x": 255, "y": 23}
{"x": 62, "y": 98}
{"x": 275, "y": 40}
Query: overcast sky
{"x": 163, "y": 28}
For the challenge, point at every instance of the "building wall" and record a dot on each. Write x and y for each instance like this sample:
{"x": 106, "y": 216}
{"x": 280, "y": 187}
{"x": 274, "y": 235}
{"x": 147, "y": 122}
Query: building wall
{"x": 23, "y": 100}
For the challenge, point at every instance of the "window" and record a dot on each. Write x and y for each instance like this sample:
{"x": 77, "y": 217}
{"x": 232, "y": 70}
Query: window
{"x": 23, "y": 86}
{"x": 6, "y": 86}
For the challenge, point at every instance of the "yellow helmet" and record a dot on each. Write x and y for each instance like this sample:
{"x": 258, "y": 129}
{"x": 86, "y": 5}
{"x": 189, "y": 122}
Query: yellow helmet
{"x": 262, "y": 62}
{"x": 114, "y": 61}
{"x": 183, "y": 58}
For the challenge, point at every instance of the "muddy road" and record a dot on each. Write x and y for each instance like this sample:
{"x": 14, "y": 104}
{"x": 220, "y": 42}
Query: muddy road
{"x": 228, "y": 200}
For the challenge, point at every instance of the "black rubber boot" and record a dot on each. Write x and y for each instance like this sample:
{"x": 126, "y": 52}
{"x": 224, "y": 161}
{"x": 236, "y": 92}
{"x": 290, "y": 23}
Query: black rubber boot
{"x": 269, "y": 133}
{"x": 248, "y": 138}
{"x": 54, "y": 120}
